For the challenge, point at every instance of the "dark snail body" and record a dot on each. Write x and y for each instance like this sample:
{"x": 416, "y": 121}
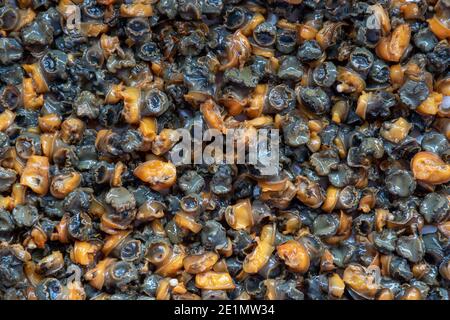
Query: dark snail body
{"x": 92, "y": 205}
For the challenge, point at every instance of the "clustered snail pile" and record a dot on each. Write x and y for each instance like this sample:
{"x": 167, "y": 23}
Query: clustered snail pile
{"x": 91, "y": 95}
